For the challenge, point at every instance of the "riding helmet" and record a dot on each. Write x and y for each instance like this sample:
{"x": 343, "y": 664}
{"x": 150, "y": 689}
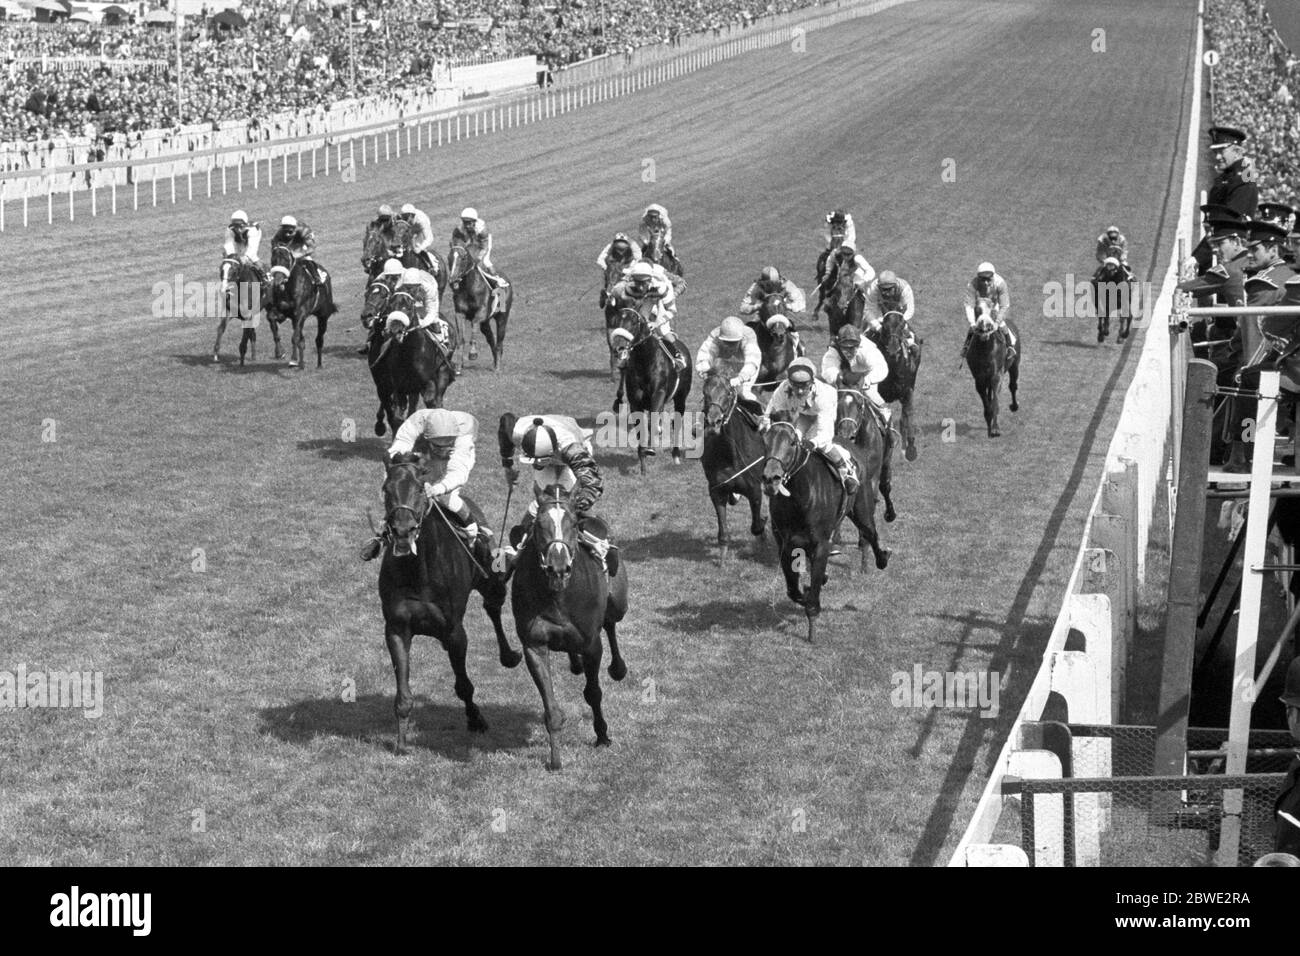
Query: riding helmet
{"x": 469, "y": 212}
{"x": 239, "y": 216}
{"x": 986, "y": 269}
{"x": 887, "y": 279}
{"x": 849, "y": 335}
{"x": 770, "y": 274}
{"x": 393, "y": 267}
{"x": 539, "y": 442}
{"x": 731, "y": 329}
{"x": 801, "y": 371}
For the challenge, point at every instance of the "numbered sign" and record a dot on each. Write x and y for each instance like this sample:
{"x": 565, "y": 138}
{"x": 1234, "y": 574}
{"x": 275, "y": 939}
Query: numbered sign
{"x": 1211, "y": 58}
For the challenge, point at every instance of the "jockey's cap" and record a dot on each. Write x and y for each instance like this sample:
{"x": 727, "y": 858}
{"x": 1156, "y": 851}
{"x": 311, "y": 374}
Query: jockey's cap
{"x": 801, "y": 371}
{"x": 385, "y": 211}
{"x": 1111, "y": 262}
{"x": 849, "y": 335}
{"x": 399, "y": 317}
{"x": 539, "y": 442}
{"x": 408, "y": 209}
{"x": 887, "y": 279}
{"x": 731, "y": 330}
{"x": 239, "y": 216}
{"x": 288, "y": 221}
{"x": 777, "y": 321}
{"x": 848, "y": 247}
{"x": 469, "y": 212}
{"x": 654, "y": 209}
{"x": 393, "y": 267}
{"x": 838, "y": 216}
{"x": 986, "y": 269}
{"x": 641, "y": 270}
{"x": 1112, "y": 231}
{"x": 442, "y": 423}
{"x": 770, "y": 274}
{"x": 412, "y": 276}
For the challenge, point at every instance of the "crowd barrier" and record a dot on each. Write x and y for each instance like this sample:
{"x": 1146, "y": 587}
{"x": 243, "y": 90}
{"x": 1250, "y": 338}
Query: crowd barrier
{"x": 101, "y": 187}
{"x": 1096, "y": 618}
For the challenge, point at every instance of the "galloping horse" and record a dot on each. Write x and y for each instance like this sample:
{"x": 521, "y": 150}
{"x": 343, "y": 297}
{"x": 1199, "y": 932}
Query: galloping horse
{"x": 425, "y": 579}
{"x": 562, "y": 599}
{"x": 807, "y": 503}
{"x": 987, "y": 358}
{"x": 778, "y": 348}
{"x": 1112, "y": 296}
{"x": 656, "y": 251}
{"x": 278, "y": 308}
{"x": 903, "y": 364}
{"x": 855, "y": 423}
{"x": 244, "y": 295}
{"x": 308, "y": 292}
{"x": 845, "y": 304}
{"x": 733, "y": 454}
{"x": 407, "y": 365}
{"x": 472, "y": 299}
{"x": 650, "y": 379}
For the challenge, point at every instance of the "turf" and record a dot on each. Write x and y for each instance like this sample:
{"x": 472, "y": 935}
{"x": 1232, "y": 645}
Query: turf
{"x": 734, "y": 741}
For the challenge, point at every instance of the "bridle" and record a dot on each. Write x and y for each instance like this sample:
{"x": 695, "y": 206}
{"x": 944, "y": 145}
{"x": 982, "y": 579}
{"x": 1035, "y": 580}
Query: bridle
{"x": 860, "y": 413}
{"x": 801, "y": 452}
{"x": 419, "y": 516}
{"x": 730, "y": 403}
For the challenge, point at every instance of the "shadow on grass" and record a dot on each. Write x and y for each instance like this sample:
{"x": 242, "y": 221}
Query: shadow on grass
{"x": 674, "y": 544}
{"x": 733, "y": 616}
{"x": 345, "y": 351}
{"x": 438, "y": 727}
{"x": 1076, "y": 344}
{"x": 336, "y": 449}
{"x": 229, "y": 364}
{"x": 594, "y": 374}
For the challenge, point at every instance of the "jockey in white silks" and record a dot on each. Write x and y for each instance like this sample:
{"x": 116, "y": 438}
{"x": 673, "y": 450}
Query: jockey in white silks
{"x": 428, "y": 316}
{"x": 733, "y": 349}
{"x": 854, "y": 362}
{"x": 987, "y": 284}
{"x": 421, "y": 227}
{"x": 655, "y": 218}
{"x": 812, "y": 406}
{"x": 888, "y": 293}
{"x": 645, "y": 281}
{"x": 633, "y": 248}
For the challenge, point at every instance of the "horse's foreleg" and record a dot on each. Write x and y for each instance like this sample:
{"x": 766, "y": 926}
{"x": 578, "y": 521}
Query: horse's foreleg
{"x": 886, "y": 483}
{"x": 909, "y": 429}
{"x": 471, "y": 322}
{"x": 498, "y": 341}
{"x": 493, "y": 590}
{"x": 321, "y": 323}
{"x": 863, "y": 516}
{"x": 788, "y": 569}
{"x": 457, "y": 645}
{"x": 593, "y": 695}
{"x": 298, "y": 342}
{"x": 399, "y": 649}
{"x": 1013, "y": 381}
{"x": 617, "y": 666}
{"x": 812, "y": 604}
{"x": 221, "y": 330}
{"x": 720, "y": 509}
{"x": 274, "y": 324}
{"x": 537, "y": 655}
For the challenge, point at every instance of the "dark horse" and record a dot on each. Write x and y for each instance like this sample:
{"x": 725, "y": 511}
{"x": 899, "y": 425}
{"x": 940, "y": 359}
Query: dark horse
{"x": 904, "y": 362}
{"x": 845, "y": 304}
{"x": 407, "y": 365}
{"x": 614, "y": 269}
{"x": 309, "y": 292}
{"x": 472, "y": 299}
{"x": 778, "y": 347}
{"x": 656, "y": 251}
{"x": 856, "y": 424}
{"x": 808, "y": 502}
{"x": 987, "y": 357}
{"x": 733, "y": 455}
{"x": 245, "y": 294}
{"x": 650, "y": 380}
{"x": 279, "y": 309}
{"x": 425, "y": 579}
{"x": 1112, "y": 297}
{"x": 562, "y": 599}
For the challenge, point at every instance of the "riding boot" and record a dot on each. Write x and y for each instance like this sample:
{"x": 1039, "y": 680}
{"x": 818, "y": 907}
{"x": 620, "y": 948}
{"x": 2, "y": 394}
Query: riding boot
{"x": 1011, "y": 349}
{"x": 670, "y": 339}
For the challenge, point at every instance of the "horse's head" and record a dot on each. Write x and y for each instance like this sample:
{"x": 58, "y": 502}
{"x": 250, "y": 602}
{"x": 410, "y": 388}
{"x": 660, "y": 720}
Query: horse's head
{"x": 376, "y": 299}
{"x": 614, "y": 269}
{"x": 893, "y": 332}
{"x": 654, "y": 247}
{"x": 778, "y": 326}
{"x": 719, "y": 400}
{"x": 772, "y": 303}
{"x": 985, "y": 324}
{"x": 405, "y": 504}
{"x": 628, "y": 331}
{"x": 458, "y": 263}
{"x": 556, "y": 535}
{"x": 408, "y": 300}
{"x": 303, "y": 241}
{"x": 783, "y": 447}
{"x": 850, "y": 412}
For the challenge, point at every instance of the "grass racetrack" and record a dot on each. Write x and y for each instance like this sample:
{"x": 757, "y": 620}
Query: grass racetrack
{"x": 734, "y": 741}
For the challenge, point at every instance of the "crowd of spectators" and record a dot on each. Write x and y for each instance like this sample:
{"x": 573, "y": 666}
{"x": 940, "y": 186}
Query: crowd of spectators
{"x": 299, "y": 56}
{"x": 1254, "y": 89}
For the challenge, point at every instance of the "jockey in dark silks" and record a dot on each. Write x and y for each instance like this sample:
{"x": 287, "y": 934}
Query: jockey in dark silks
{"x": 374, "y": 248}
{"x": 283, "y": 235}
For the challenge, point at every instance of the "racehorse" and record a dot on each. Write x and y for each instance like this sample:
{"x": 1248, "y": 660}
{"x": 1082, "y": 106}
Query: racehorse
{"x": 244, "y": 295}
{"x": 778, "y": 347}
{"x": 425, "y": 579}
{"x": 650, "y": 380}
{"x": 656, "y": 251}
{"x": 986, "y": 356}
{"x": 614, "y": 270}
{"x": 846, "y": 304}
{"x": 472, "y": 299}
{"x": 855, "y": 422}
{"x": 903, "y": 364}
{"x": 562, "y": 599}
{"x": 1112, "y": 296}
{"x": 733, "y": 455}
{"x": 277, "y": 307}
{"x": 807, "y": 503}
{"x": 408, "y": 365}
{"x": 308, "y": 292}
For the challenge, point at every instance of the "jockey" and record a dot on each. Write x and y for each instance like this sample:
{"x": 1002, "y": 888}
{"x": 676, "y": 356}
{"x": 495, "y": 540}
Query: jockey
{"x": 242, "y": 240}
{"x": 641, "y": 283}
{"x": 1110, "y": 243}
{"x": 421, "y": 228}
{"x": 771, "y": 281}
{"x": 839, "y": 229}
{"x": 855, "y": 362}
{"x": 987, "y": 284}
{"x": 473, "y": 234}
{"x": 374, "y": 235}
{"x": 654, "y": 218}
{"x": 391, "y": 275}
{"x": 423, "y": 289}
{"x": 813, "y": 406}
{"x": 559, "y": 450}
{"x": 733, "y": 348}
{"x": 448, "y": 437}
{"x": 888, "y": 293}
{"x": 622, "y": 248}
{"x": 848, "y": 257}
{"x": 288, "y": 225}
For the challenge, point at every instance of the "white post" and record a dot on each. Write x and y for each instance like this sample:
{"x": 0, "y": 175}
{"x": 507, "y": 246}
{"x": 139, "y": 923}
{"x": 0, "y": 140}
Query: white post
{"x": 113, "y": 193}
{"x": 1252, "y": 590}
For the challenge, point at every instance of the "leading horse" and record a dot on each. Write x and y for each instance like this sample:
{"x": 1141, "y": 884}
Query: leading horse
{"x": 986, "y": 356}
{"x": 425, "y": 579}
{"x": 807, "y": 503}
{"x": 656, "y": 250}
{"x": 562, "y": 599}
{"x": 1112, "y": 297}
{"x": 472, "y": 299}
{"x": 733, "y": 455}
{"x": 650, "y": 380}
{"x": 904, "y": 362}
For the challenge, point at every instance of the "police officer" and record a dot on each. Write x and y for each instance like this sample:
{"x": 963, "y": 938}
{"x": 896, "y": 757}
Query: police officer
{"x": 1284, "y": 216}
{"x": 1286, "y": 811}
{"x": 1230, "y": 188}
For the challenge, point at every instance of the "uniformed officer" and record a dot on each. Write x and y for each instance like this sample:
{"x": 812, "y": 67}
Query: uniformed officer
{"x": 1223, "y": 284}
{"x": 1233, "y": 186}
{"x": 1286, "y": 811}
{"x": 1284, "y": 216}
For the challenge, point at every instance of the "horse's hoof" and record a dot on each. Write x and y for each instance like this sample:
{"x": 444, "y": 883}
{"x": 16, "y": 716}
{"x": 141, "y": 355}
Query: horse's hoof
{"x": 911, "y": 453}
{"x": 292, "y": 364}
{"x": 890, "y": 514}
{"x": 1015, "y": 406}
{"x": 602, "y": 741}
{"x": 994, "y": 433}
{"x": 216, "y": 357}
{"x": 555, "y": 765}
{"x": 882, "y": 559}
{"x": 379, "y": 430}
{"x": 477, "y": 725}
{"x": 511, "y": 659}
{"x": 1101, "y": 336}
{"x": 617, "y": 669}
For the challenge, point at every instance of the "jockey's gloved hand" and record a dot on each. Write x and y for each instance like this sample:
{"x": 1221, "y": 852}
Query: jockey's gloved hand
{"x": 512, "y": 476}
{"x": 764, "y": 423}
{"x": 735, "y": 382}
{"x": 433, "y": 491}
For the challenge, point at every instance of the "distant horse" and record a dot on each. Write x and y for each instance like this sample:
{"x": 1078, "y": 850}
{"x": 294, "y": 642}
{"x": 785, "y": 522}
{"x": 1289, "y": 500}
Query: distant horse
{"x": 1112, "y": 297}
{"x": 845, "y": 305}
{"x": 987, "y": 358}
{"x": 425, "y": 580}
{"x": 279, "y": 308}
{"x": 778, "y": 346}
{"x": 244, "y": 296}
{"x": 903, "y": 364}
{"x": 407, "y": 365}
{"x": 857, "y": 424}
{"x": 308, "y": 293}
{"x": 472, "y": 299}
{"x": 733, "y": 454}
{"x": 650, "y": 379}
{"x": 807, "y": 503}
{"x": 562, "y": 599}
{"x": 656, "y": 251}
